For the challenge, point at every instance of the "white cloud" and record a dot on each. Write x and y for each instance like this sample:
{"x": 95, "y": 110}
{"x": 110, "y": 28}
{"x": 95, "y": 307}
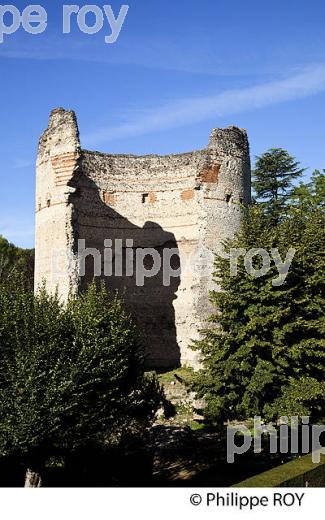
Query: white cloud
{"x": 187, "y": 111}
{"x": 160, "y": 53}
{"x": 18, "y": 229}
{"x": 22, "y": 163}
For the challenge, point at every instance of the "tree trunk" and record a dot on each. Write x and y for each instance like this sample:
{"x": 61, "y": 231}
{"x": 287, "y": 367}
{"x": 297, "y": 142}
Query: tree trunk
{"x": 33, "y": 479}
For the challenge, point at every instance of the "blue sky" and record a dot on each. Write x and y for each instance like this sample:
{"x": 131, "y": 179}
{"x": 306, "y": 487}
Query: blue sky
{"x": 178, "y": 69}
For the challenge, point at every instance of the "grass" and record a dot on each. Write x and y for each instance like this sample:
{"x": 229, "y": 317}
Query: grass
{"x": 186, "y": 374}
{"x": 294, "y": 473}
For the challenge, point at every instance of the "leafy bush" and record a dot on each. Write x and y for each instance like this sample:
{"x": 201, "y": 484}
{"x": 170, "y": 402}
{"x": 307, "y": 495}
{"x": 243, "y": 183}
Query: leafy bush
{"x": 16, "y": 257}
{"x": 69, "y": 375}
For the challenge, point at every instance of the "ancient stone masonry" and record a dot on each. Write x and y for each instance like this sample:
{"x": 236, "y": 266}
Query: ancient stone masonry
{"x": 187, "y": 203}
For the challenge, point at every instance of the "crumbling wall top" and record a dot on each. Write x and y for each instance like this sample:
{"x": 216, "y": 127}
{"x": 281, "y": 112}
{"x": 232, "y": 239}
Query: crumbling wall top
{"x": 61, "y": 135}
{"x": 229, "y": 141}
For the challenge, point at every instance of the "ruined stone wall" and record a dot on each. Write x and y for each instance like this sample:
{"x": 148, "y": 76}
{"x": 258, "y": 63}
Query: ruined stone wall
{"x": 189, "y": 202}
{"x": 57, "y": 161}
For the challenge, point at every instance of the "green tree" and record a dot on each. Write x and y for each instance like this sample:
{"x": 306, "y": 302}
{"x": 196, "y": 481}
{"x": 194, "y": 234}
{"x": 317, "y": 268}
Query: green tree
{"x": 15, "y": 257}
{"x": 68, "y": 375}
{"x": 7, "y": 256}
{"x": 264, "y": 352}
{"x": 310, "y": 195}
{"x": 273, "y": 181}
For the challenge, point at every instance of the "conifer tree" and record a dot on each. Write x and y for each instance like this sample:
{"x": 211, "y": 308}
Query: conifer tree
{"x": 264, "y": 353}
{"x": 273, "y": 178}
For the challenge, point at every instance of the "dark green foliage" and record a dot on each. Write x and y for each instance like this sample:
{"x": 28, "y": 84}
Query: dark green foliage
{"x": 7, "y": 255}
{"x": 273, "y": 178}
{"x": 68, "y": 375}
{"x": 12, "y": 256}
{"x": 310, "y": 195}
{"x": 265, "y": 352}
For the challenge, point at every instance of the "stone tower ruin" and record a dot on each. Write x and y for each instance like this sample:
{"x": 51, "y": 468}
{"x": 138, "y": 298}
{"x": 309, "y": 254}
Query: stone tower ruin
{"x": 186, "y": 203}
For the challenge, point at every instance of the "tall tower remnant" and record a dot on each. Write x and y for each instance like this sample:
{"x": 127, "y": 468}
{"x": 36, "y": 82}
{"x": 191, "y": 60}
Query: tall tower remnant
{"x": 181, "y": 207}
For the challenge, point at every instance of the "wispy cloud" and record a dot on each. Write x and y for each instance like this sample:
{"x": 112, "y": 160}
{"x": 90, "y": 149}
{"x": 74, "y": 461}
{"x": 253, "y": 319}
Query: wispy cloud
{"x": 307, "y": 82}
{"x": 22, "y": 163}
{"x": 167, "y": 53}
{"x": 159, "y": 53}
{"x": 18, "y": 229}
